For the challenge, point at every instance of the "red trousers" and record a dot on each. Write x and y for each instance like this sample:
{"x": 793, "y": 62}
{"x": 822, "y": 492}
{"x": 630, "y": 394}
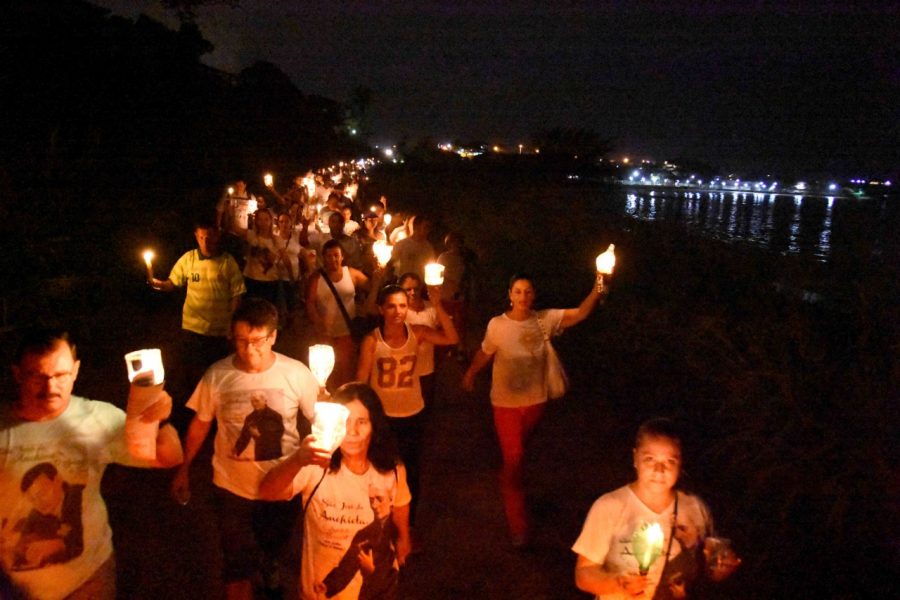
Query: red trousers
{"x": 514, "y": 426}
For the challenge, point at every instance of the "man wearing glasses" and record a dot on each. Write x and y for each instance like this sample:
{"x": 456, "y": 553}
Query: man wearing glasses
{"x": 253, "y": 532}
{"x": 55, "y": 539}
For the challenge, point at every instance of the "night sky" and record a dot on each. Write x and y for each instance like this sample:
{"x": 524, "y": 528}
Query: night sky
{"x": 767, "y": 86}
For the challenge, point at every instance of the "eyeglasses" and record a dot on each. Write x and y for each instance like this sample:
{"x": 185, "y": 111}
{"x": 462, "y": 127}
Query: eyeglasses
{"x": 43, "y": 378}
{"x": 255, "y": 342}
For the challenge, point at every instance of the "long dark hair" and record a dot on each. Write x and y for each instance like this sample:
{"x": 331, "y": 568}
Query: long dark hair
{"x": 383, "y": 453}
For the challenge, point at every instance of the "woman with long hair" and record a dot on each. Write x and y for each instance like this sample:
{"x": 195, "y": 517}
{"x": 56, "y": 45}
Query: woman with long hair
{"x": 515, "y": 342}
{"x": 388, "y": 361}
{"x": 356, "y": 520}
{"x": 610, "y": 543}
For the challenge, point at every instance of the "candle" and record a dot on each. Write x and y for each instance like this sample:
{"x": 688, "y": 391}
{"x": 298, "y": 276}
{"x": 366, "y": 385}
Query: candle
{"x": 146, "y": 374}
{"x": 329, "y": 424}
{"x": 647, "y": 545}
{"x": 606, "y": 262}
{"x": 145, "y": 367}
{"x": 387, "y": 218}
{"x": 268, "y": 180}
{"x": 434, "y": 274}
{"x": 148, "y": 260}
{"x": 230, "y": 191}
{"x": 252, "y": 206}
{"x": 382, "y": 252}
{"x": 321, "y": 362}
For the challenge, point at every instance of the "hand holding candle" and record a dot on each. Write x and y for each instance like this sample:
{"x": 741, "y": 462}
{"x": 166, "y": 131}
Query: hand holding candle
{"x": 434, "y": 274}
{"x": 383, "y": 252}
{"x": 329, "y": 425}
{"x": 147, "y": 376}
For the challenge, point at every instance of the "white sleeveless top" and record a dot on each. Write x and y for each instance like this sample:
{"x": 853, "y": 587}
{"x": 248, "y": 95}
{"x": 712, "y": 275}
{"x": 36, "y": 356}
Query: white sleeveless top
{"x": 394, "y": 376}
{"x": 327, "y": 308}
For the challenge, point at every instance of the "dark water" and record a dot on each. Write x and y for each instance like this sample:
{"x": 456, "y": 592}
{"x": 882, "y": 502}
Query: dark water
{"x": 814, "y": 226}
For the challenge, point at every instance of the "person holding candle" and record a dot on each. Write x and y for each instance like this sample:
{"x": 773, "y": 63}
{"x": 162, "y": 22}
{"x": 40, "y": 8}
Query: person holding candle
{"x": 332, "y": 324}
{"x": 515, "y": 343}
{"x": 388, "y": 361}
{"x": 613, "y": 562}
{"x": 255, "y": 379}
{"x": 288, "y": 248}
{"x": 412, "y": 253}
{"x": 55, "y": 538}
{"x": 356, "y": 523}
{"x": 214, "y": 287}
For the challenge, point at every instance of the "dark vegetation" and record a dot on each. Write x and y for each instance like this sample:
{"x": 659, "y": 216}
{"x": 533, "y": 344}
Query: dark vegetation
{"x": 113, "y": 134}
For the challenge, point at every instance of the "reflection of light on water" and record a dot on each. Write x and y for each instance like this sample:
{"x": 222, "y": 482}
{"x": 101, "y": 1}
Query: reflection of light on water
{"x": 741, "y": 215}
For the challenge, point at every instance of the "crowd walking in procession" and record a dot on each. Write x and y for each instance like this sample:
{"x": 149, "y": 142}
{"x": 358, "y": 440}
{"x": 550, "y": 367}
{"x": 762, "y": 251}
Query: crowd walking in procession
{"x": 316, "y": 264}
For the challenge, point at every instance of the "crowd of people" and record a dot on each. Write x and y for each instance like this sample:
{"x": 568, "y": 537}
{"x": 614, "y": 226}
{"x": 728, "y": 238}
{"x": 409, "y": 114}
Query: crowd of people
{"x": 265, "y": 265}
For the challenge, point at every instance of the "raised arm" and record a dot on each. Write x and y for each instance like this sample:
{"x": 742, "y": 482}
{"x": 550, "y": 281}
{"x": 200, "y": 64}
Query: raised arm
{"x": 573, "y": 316}
{"x": 446, "y": 335}
{"x": 162, "y": 285}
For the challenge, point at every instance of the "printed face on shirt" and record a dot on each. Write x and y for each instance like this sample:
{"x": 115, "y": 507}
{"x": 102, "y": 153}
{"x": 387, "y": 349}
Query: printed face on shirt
{"x": 380, "y": 501}
{"x": 252, "y": 346}
{"x": 521, "y": 294}
{"x": 657, "y": 461}
{"x": 394, "y": 308}
{"x": 359, "y": 431}
{"x": 46, "y": 382}
{"x": 46, "y": 494}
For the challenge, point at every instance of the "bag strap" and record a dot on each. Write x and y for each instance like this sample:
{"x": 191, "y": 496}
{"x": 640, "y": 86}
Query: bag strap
{"x": 337, "y": 298}
{"x": 672, "y": 532}
{"x": 313, "y": 493}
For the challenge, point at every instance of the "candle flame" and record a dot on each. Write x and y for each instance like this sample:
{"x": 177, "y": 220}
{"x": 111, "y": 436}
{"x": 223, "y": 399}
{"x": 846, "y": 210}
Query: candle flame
{"x": 230, "y": 191}
{"x": 647, "y": 545}
{"x": 606, "y": 262}
{"x": 383, "y": 252}
{"x": 387, "y": 218}
{"x": 268, "y": 179}
{"x": 148, "y": 257}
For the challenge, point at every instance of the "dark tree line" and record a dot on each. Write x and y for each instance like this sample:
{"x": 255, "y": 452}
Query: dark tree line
{"x": 90, "y": 98}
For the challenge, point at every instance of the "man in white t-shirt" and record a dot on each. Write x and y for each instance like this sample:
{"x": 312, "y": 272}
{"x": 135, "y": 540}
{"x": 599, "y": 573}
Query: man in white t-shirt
{"x": 253, "y": 531}
{"x": 55, "y": 539}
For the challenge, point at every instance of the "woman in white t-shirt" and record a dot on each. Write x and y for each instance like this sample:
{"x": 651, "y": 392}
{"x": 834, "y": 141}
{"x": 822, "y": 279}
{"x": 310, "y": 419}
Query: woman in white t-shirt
{"x": 613, "y": 538}
{"x": 261, "y": 273}
{"x": 356, "y": 520}
{"x": 515, "y": 342}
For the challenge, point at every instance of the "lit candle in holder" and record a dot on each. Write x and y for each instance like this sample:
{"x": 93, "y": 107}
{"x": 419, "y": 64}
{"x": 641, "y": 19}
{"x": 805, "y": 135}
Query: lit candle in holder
{"x": 148, "y": 260}
{"x": 387, "y": 218}
{"x": 230, "y": 191}
{"x": 321, "y": 362}
{"x": 268, "y": 180}
{"x": 252, "y": 206}
{"x": 647, "y": 545}
{"x": 383, "y": 252}
{"x": 606, "y": 261}
{"x": 434, "y": 274}
{"x": 329, "y": 424}
{"x": 147, "y": 377}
